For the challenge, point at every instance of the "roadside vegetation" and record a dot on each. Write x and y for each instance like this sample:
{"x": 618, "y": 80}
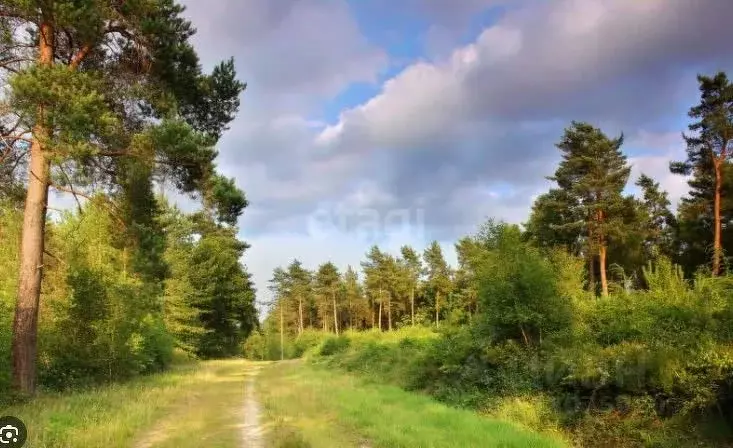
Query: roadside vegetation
{"x": 310, "y": 406}
{"x": 191, "y": 404}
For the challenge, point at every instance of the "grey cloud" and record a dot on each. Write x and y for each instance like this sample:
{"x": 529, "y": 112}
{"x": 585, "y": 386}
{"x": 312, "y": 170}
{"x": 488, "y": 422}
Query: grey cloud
{"x": 489, "y": 115}
{"x": 603, "y": 59}
{"x": 472, "y": 135}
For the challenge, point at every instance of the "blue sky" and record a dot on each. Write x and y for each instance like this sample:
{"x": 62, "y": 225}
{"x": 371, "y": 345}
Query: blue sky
{"x": 404, "y": 122}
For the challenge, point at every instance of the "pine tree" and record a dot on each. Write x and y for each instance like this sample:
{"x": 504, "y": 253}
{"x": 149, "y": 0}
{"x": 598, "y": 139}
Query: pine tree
{"x": 280, "y": 288}
{"x": 438, "y": 277}
{"x": 659, "y": 222}
{"x": 223, "y": 291}
{"x": 412, "y": 265}
{"x": 593, "y": 172}
{"x": 353, "y": 296}
{"x": 375, "y": 281}
{"x": 301, "y": 289}
{"x": 708, "y": 155}
{"x": 394, "y": 286}
{"x": 327, "y": 282}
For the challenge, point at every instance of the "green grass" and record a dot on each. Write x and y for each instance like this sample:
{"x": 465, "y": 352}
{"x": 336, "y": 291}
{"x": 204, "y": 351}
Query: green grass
{"x": 190, "y": 405}
{"x": 312, "y": 406}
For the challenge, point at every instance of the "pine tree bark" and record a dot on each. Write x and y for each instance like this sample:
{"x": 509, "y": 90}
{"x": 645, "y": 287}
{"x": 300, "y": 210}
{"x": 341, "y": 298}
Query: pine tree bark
{"x": 373, "y": 313}
{"x": 380, "y": 309}
{"x": 335, "y": 314}
{"x": 437, "y": 309}
{"x": 717, "y": 238}
{"x": 602, "y": 249}
{"x": 592, "y": 274}
{"x": 25, "y": 322}
{"x": 389, "y": 312}
{"x": 412, "y": 305}
{"x": 591, "y": 264}
{"x": 300, "y": 316}
{"x": 351, "y": 315}
{"x": 602, "y": 266}
{"x": 282, "y": 334}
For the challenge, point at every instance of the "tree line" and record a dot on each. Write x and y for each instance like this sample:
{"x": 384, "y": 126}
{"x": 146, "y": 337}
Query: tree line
{"x": 103, "y": 101}
{"x": 395, "y": 290}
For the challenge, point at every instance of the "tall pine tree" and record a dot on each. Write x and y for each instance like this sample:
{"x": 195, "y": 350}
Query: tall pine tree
{"x": 708, "y": 158}
{"x": 438, "y": 277}
{"x": 593, "y": 172}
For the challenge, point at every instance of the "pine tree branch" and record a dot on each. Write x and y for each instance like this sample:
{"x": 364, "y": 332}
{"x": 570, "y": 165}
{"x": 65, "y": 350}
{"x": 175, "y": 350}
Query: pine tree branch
{"x": 87, "y": 47}
{"x": 79, "y": 56}
{"x": 66, "y": 176}
{"x": 76, "y": 194}
{"x": 14, "y": 138}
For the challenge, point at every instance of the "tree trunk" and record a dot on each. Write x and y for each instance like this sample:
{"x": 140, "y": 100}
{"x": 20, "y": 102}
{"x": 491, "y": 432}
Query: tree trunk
{"x": 372, "y": 313}
{"x": 389, "y": 312}
{"x": 282, "y": 334}
{"x": 437, "y": 309}
{"x": 380, "y": 315}
{"x": 380, "y": 308}
{"x": 524, "y": 336}
{"x": 335, "y": 314}
{"x": 25, "y": 322}
{"x": 351, "y": 315}
{"x": 412, "y": 305}
{"x": 300, "y": 316}
{"x": 591, "y": 262}
{"x": 717, "y": 239}
{"x": 592, "y": 273}
{"x": 602, "y": 268}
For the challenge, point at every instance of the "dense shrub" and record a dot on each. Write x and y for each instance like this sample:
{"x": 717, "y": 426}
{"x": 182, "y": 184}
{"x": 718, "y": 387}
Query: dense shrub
{"x": 333, "y": 345}
{"x": 520, "y": 287}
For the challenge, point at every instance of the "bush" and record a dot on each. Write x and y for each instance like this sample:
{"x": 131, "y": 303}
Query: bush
{"x": 519, "y": 288}
{"x": 333, "y": 345}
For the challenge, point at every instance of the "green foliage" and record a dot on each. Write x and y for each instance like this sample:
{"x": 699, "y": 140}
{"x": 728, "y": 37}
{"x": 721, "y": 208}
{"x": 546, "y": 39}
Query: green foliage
{"x": 222, "y": 292}
{"x": 333, "y": 345}
{"x": 518, "y": 284}
{"x": 10, "y": 221}
{"x": 659, "y": 222}
{"x": 74, "y": 103}
{"x": 643, "y": 368}
{"x": 104, "y": 323}
{"x": 106, "y": 315}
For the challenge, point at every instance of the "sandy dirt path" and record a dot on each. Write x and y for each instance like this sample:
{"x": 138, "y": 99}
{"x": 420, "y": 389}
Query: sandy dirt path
{"x": 220, "y": 409}
{"x": 252, "y": 429}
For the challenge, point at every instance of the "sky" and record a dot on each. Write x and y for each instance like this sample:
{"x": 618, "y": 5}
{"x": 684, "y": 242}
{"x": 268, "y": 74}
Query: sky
{"x": 401, "y": 122}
